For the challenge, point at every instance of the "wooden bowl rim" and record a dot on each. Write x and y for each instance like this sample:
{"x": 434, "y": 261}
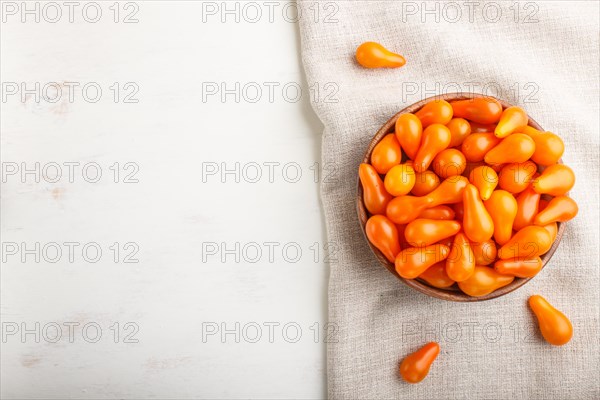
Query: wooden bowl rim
{"x": 454, "y": 294}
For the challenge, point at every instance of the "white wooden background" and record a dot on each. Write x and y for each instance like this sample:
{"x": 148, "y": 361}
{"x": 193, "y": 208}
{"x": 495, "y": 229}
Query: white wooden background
{"x": 164, "y": 306}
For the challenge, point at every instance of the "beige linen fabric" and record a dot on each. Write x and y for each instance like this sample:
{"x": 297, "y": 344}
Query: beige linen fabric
{"x": 546, "y": 63}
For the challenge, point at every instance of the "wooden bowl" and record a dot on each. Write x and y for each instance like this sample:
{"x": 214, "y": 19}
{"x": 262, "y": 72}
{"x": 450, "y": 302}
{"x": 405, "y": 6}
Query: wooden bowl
{"x": 452, "y": 293}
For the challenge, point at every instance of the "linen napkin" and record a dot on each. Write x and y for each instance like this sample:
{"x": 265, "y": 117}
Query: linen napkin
{"x": 542, "y": 56}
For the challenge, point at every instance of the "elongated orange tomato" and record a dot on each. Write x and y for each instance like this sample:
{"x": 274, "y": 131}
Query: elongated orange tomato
{"x": 530, "y": 131}
{"x": 528, "y": 202}
{"x": 413, "y": 261}
{"x": 438, "y": 212}
{"x": 459, "y": 130}
{"x": 383, "y": 234}
{"x": 502, "y": 207}
{"x": 476, "y": 145}
{"x": 516, "y": 148}
{"x": 555, "y": 180}
{"x": 477, "y": 222}
{"x": 512, "y": 120}
{"x": 436, "y": 138}
{"x": 515, "y": 177}
{"x": 436, "y": 276}
{"x": 485, "y": 252}
{"x": 408, "y": 132}
{"x": 374, "y": 55}
{"x": 549, "y": 148}
{"x": 519, "y": 267}
{"x": 449, "y": 162}
{"x": 483, "y": 281}
{"x": 460, "y": 263}
{"x": 386, "y": 154}
{"x": 554, "y": 325}
{"x": 404, "y": 209}
{"x": 531, "y": 241}
{"x": 435, "y": 112}
{"x": 485, "y": 180}
{"x": 375, "y": 196}
{"x": 450, "y": 191}
{"x": 399, "y": 180}
{"x": 415, "y": 367}
{"x": 425, "y": 183}
{"x": 483, "y": 110}
{"x": 560, "y": 209}
{"x": 423, "y": 232}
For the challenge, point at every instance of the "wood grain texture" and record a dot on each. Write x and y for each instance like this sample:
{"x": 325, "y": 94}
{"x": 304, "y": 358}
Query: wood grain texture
{"x": 452, "y": 293}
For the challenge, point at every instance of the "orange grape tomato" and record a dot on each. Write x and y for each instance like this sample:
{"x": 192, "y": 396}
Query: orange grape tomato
{"x": 485, "y": 180}
{"x": 435, "y": 112}
{"x": 436, "y": 138}
{"x": 560, "y": 209}
{"x": 459, "y": 130}
{"x": 404, "y": 209}
{"x": 408, "y": 132}
{"x": 515, "y": 177}
{"x": 555, "y": 180}
{"x": 485, "y": 252}
{"x": 480, "y": 128}
{"x": 425, "y": 183}
{"x": 386, "y": 154}
{"x": 374, "y": 55}
{"x": 483, "y": 110}
{"x": 528, "y": 202}
{"x": 531, "y": 241}
{"x": 513, "y": 119}
{"x": 438, "y": 212}
{"x": 413, "y": 261}
{"x": 436, "y": 276}
{"x": 383, "y": 234}
{"x": 549, "y": 148}
{"x": 554, "y": 325}
{"x": 477, "y": 222}
{"x": 449, "y": 162}
{"x": 424, "y": 232}
{"x": 399, "y": 180}
{"x": 415, "y": 367}
{"x": 460, "y": 263}
{"x": 375, "y": 196}
{"x": 502, "y": 207}
{"x": 483, "y": 281}
{"x": 530, "y": 131}
{"x": 519, "y": 267}
{"x": 516, "y": 148}
{"x": 476, "y": 145}
{"x": 450, "y": 191}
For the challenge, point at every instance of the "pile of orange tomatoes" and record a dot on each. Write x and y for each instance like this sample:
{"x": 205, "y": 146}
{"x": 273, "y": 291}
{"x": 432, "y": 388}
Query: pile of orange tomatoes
{"x": 466, "y": 192}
